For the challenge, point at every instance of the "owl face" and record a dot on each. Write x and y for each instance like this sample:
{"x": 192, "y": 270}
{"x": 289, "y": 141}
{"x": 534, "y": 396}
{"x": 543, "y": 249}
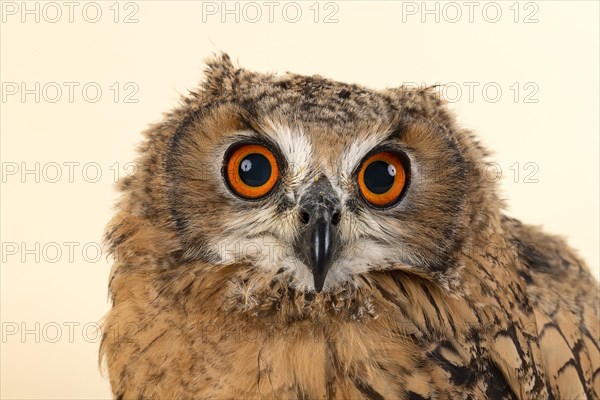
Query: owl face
{"x": 317, "y": 182}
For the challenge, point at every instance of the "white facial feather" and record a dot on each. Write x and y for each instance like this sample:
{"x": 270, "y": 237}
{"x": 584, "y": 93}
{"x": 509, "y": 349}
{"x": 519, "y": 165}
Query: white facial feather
{"x": 358, "y": 149}
{"x": 297, "y": 150}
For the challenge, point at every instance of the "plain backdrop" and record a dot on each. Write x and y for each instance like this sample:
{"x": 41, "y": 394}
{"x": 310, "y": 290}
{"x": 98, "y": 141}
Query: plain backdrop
{"x": 81, "y": 81}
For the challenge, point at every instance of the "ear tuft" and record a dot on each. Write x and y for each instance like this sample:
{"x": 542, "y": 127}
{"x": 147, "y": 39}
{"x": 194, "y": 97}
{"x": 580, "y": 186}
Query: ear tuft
{"x": 218, "y": 73}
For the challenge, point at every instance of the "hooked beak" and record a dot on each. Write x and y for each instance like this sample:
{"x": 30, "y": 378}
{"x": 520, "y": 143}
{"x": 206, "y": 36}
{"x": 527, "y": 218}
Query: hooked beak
{"x": 318, "y": 240}
{"x": 319, "y": 252}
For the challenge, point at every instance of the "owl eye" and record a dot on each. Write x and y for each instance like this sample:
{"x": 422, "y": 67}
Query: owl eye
{"x": 382, "y": 178}
{"x": 251, "y": 170}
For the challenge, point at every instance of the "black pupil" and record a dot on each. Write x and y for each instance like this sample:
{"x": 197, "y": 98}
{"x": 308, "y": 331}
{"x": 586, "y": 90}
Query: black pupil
{"x": 255, "y": 170}
{"x": 379, "y": 177}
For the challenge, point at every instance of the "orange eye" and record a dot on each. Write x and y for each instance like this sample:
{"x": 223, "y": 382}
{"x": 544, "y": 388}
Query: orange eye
{"x": 251, "y": 171}
{"x": 382, "y": 178}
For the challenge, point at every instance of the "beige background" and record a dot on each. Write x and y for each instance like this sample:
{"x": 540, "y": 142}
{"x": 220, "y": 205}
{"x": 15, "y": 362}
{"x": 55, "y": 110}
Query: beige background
{"x": 50, "y": 306}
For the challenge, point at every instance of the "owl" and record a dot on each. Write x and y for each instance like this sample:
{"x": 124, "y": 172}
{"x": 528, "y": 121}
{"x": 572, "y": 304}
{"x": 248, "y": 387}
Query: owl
{"x": 294, "y": 237}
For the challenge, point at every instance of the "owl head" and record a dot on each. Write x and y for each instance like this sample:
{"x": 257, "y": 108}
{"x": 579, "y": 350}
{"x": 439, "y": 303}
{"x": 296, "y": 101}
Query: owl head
{"x": 312, "y": 182}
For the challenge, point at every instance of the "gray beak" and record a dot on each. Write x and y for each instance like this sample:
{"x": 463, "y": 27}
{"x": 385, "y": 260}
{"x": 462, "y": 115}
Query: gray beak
{"x": 318, "y": 241}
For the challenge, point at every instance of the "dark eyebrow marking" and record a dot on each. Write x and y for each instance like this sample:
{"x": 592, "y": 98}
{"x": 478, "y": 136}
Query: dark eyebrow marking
{"x": 249, "y": 120}
{"x": 398, "y": 131}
